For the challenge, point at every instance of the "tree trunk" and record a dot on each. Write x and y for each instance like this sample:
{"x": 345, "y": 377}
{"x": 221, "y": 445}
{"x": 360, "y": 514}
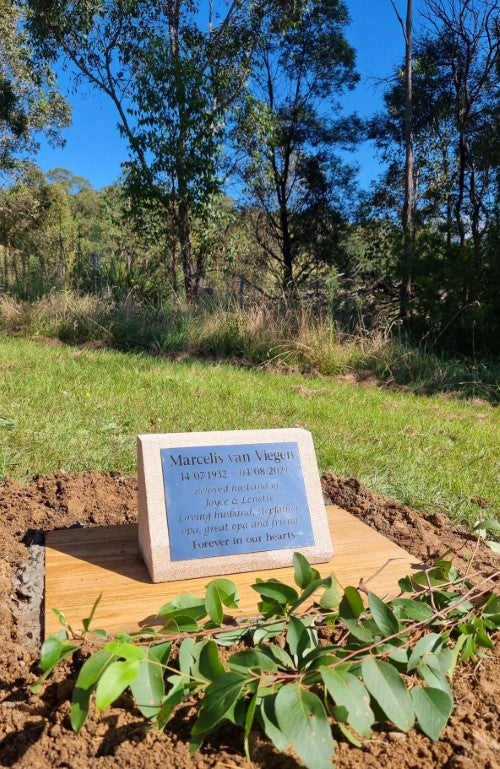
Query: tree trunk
{"x": 406, "y": 279}
{"x": 461, "y": 186}
{"x": 186, "y": 253}
{"x": 191, "y": 280}
{"x": 286, "y": 249}
{"x": 173, "y": 235}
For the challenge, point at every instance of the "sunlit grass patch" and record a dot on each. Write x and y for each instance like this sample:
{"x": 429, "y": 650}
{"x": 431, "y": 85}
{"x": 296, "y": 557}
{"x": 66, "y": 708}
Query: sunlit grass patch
{"x": 74, "y": 408}
{"x": 274, "y": 337}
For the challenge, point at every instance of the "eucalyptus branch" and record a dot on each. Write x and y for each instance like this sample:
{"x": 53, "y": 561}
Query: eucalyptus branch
{"x": 276, "y": 682}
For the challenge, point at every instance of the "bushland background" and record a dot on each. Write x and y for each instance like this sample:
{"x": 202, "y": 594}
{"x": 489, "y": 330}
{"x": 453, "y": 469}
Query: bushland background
{"x": 238, "y": 232}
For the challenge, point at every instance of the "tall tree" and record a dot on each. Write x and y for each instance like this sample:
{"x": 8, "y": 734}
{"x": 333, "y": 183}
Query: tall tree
{"x": 171, "y": 69}
{"x": 466, "y": 40}
{"x": 30, "y": 103}
{"x": 287, "y": 133}
{"x": 407, "y": 213}
{"x": 456, "y": 154}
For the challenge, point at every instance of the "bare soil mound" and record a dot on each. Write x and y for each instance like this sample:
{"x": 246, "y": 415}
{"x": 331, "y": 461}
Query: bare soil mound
{"x": 35, "y": 731}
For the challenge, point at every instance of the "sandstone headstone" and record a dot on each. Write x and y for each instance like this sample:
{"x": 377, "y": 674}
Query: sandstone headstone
{"x": 217, "y": 503}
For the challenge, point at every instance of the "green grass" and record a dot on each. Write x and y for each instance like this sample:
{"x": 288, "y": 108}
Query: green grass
{"x": 76, "y": 409}
{"x": 276, "y": 336}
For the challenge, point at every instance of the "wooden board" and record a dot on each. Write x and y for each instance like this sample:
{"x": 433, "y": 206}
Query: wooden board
{"x": 82, "y": 563}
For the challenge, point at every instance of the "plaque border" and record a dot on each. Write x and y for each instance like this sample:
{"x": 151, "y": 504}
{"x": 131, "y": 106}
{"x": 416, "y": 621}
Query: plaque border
{"x": 153, "y": 528}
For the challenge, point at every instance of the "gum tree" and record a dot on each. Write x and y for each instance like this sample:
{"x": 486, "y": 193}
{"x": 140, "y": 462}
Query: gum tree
{"x": 30, "y": 103}
{"x": 288, "y": 131}
{"x": 172, "y": 69}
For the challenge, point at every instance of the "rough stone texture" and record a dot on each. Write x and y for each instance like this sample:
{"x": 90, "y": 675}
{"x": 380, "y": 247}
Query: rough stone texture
{"x": 153, "y": 530}
{"x": 35, "y": 731}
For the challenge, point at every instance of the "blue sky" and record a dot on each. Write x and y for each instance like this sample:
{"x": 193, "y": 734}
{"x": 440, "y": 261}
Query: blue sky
{"x": 94, "y": 148}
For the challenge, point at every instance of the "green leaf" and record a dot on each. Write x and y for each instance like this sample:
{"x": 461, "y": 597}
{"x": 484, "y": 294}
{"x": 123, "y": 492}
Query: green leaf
{"x": 396, "y": 651}
{"x": 309, "y": 590}
{"x": 172, "y": 699}
{"x": 434, "y": 678}
{"x": 186, "y": 605}
{"x": 87, "y": 621}
{"x": 405, "y": 585}
{"x": 349, "y": 735}
{"x": 347, "y": 690}
{"x": 278, "y": 655}
{"x": 456, "y": 654}
{"x": 332, "y": 595}
{"x": 383, "y": 615}
{"x": 302, "y": 719}
{"x": 270, "y": 609}
{"x": 267, "y": 717}
{"x": 302, "y": 570}
{"x": 230, "y": 637}
{"x": 277, "y": 591}
{"x": 127, "y": 651}
{"x": 249, "y": 717}
{"x": 114, "y": 681}
{"x": 469, "y": 648}
{"x": 300, "y": 638}
{"x": 180, "y": 623}
{"x": 441, "y": 661}
{"x": 428, "y": 644}
{"x": 251, "y": 659}
{"x": 89, "y": 674}
{"x": 267, "y": 632}
{"x": 351, "y": 605}
{"x": 236, "y": 713}
{"x": 228, "y": 592}
{"x": 185, "y": 656}
{"x": 148, "y": 687}
{"x": 481, "y": 636}
{"x": 61, "y": 617}
{"x": 213, "y": 604}
{"x": 433, "y": 707}
{"x": 53, "y": 651}
{"x": 495, "y": 546}
{"x": 317, "y": 654}
{"x": 39, "y": 681}
{"x": 492, "y": 609}
{"x": 219, "y": 697}
{"x": 360, "y": 632}
{"x": 388, "y": 689}
{"x": 412, "y": 609}
{"x": 488, "y": 524}
{"x": 206, "y": 661}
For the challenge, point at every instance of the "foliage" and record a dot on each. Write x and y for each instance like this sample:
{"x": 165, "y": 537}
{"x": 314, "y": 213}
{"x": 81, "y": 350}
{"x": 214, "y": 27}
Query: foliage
{"x": 296, "y": 187}
{"x": 58, "y": 233}
{"x": 30, "y": 102}
{"x": 247, "y": 94}
{"x": 455, "y": 251}
{"x": 307, "y": 672}
{"x": 172, "y": 71}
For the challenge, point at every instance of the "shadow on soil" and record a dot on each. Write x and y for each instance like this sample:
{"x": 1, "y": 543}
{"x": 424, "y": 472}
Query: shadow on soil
{"x": 14, "y": 746}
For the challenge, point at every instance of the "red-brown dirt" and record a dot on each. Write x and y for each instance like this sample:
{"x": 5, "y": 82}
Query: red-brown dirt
{"x": 35, "y": 731}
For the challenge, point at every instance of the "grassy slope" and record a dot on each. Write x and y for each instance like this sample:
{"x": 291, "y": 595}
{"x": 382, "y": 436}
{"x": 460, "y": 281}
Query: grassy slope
{"x": 63, "y": 407}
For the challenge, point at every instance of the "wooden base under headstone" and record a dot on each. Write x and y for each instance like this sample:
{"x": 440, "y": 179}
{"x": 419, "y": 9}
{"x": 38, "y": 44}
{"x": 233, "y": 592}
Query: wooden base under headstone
{"x": 82, "y": 563}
